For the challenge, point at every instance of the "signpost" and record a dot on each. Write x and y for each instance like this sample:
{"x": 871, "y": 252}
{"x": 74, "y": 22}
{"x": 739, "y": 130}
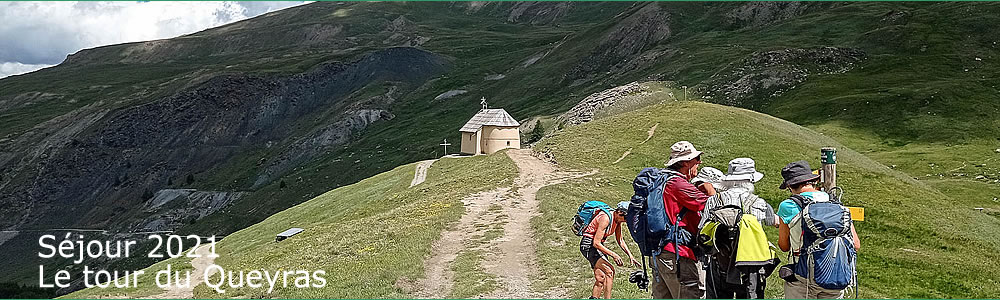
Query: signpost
{"x": 857, "y": 213}
{"x": 828, "y": 156}
{"x": 828, "y": 179}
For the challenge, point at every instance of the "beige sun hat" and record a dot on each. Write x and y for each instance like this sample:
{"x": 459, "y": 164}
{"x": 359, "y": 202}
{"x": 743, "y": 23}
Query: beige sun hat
{"x": 743, "y": 169}
{"x": 682, "y": 151}
{"x": 710, "y": 175}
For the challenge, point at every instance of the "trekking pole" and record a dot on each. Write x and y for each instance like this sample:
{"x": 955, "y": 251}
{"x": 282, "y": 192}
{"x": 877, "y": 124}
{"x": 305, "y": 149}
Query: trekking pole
{"x": 711, "y": 276}
{"x": 644, "y": 274}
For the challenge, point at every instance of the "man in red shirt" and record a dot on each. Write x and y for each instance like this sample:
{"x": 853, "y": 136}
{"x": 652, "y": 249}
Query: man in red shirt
{"x": 683, "y": 279}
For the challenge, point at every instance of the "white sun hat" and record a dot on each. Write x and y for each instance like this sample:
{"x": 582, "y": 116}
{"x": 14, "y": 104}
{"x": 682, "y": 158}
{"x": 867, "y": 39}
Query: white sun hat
{"x": 743, "y": 169}
{"x": 682, "y": 151}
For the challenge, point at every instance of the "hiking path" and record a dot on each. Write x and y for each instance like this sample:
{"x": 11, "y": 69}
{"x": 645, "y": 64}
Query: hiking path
{"x": 200, "y": 264}
{"x": 512, "y": 260}
{"x": 421, "y": 174}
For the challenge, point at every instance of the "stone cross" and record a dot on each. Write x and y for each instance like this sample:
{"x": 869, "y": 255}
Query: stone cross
{"x": 445, "y": 144}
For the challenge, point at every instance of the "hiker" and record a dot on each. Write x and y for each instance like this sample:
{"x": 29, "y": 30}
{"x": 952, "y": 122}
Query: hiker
{"x": 829, "y": 224}
{"x": 593, "y": 249}
{"x": 739, "y": 257}
{"x": 678, "y": 273}
{"x": 708, "y": 175}
{"x": 739, "y": 182}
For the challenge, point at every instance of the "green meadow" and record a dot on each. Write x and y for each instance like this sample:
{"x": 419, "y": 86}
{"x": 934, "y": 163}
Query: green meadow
{"x": 366, "y": 236}
{"x": 372, "y": 237}
{"x": 917, "y": 241}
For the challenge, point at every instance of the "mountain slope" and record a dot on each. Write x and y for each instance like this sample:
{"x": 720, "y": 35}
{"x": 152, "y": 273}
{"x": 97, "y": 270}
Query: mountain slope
{"x": 915, "y": 241}
{"x": 366, "y": 236}
{"x": 911, "y": 85}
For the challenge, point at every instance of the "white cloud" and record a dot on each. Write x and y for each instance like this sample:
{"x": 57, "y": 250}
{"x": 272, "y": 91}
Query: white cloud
{"x": 42, "y": 33}
{"x": 15, "y": 68}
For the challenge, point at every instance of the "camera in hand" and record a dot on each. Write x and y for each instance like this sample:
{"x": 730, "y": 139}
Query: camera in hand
{"x": 640, "y": 279}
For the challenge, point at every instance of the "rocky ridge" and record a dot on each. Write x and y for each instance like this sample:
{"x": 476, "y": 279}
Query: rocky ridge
{"x": 116, "y": 159}
{"x": 750, "y": 82}
{"x": 592, "y": 105}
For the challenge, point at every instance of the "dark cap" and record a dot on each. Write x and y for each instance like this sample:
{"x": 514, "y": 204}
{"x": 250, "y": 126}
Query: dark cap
{"x": 795, "y": 173}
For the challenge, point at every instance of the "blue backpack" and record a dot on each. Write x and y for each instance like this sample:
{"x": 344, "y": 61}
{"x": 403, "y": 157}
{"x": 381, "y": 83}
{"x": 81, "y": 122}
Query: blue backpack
{"x": 586, "y": 213}
{"x": 646, "y": 217}
{"x": 827, "y": 256}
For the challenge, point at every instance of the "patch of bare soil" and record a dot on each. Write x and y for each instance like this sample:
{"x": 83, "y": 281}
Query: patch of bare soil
{"x": 421, "y": 174}
{"x": 438, "y": 279}
{"x": 649, "y": 134}
{"x": 511, "y": 257}
{"x": 627, "y": 152}
{"x": 200, "y": 264}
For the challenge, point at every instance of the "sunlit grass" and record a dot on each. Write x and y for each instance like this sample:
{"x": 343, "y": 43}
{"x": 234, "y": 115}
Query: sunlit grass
{"x": 953, "y": 248}
{"x": 370, "y": 238}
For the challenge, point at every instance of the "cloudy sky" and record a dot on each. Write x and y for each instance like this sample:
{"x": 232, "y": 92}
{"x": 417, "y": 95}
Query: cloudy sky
{"x": 34, "y": 35}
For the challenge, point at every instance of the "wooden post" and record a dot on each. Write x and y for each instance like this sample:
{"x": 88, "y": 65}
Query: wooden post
{"x": 828, "y": 178}
{"x": 828, "y": 157}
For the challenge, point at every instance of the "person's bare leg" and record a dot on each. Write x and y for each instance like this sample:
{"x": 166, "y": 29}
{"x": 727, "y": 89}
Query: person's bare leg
{"x": 609, "y": 276}
{"x": 609, "y": 280}
{"x": 598, "y": 281}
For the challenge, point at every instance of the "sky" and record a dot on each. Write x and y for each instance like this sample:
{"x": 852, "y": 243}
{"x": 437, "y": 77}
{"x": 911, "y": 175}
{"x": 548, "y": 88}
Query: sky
{"x": 35, "y": 35}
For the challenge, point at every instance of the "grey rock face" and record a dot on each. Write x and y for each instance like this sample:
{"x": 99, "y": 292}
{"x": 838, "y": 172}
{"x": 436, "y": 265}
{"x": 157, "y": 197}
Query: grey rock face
{"x": 584, "y": 111}
{"x": 762, "y": 75}
{"x": 494, "y": 77}
{"x": 537, "y": 13}
{"x": 101, "y": 169}
{"x": 449, "y": 94}
{"x": 631, "y": 37}
{"x": 332, "y": 135}
{"x": 760, "y": 13}
{"x": 172, "y": 208}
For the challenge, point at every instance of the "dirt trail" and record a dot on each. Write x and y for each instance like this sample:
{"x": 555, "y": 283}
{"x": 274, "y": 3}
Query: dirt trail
{"x": 421, "y": 174}
{"x": 649, "y": 134}
{"x": 629, "y": 151}
{"x": 200, "y": 264}
{"x": 516, "y": 263}
{"x": 512, "y": 256}
{"x": 439, "y": 278}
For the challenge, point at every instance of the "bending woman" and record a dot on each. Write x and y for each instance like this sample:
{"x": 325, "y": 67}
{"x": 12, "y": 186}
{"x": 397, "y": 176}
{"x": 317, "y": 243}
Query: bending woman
{"x": 592, "y": 247}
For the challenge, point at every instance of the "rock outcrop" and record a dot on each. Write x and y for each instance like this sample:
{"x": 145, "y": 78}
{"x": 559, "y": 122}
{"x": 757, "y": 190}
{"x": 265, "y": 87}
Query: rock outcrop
{"x": 587, "y": 108}
{"x": 628, "y": 42}
{"x": 751, "y": 82}
{"x": 169, "y": 209}
{"x": 761, "y": 13}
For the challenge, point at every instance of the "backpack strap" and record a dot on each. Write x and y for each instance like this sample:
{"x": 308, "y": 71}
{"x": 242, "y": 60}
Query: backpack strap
{"x": 800, "y": 200}
{"x": 670, "y": 174}
{"x": 611, "y": 223}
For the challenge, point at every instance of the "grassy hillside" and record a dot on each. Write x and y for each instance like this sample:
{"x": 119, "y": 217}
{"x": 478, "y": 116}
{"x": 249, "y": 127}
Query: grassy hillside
{"x": 910, "y": 85}
{"x": 917, "y": 242}
{"x": 923, "y": 98}
{"x": 367, "y": 236}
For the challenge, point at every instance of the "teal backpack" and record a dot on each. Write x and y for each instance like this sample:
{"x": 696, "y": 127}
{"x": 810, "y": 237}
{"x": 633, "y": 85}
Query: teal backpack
{"x": 586, "y": 213}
